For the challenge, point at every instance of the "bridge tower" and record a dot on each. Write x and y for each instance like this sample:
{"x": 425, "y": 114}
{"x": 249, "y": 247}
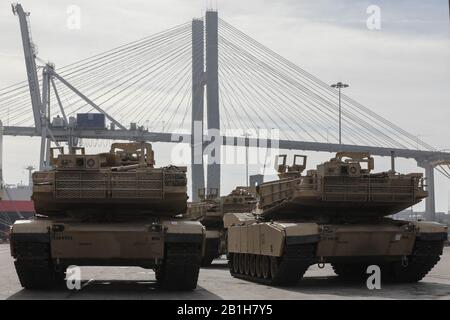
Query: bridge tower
{"x": 430, "y": 203}
{"x": 430, "y": 206}
{"x": 205, "y": 72}
{"x": 198, "y": 92}
{"x": 212, "y": 94}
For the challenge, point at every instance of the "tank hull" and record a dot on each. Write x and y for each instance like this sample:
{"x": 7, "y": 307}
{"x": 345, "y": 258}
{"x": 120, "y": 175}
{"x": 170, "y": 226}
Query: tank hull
{"x": 50, "y": 246}
{"x": 280, "y": 252}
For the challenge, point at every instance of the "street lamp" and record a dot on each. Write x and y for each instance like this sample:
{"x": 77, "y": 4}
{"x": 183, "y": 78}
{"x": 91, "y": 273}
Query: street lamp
{"x": 340, "y": 86}
{"x": 246, "y": 134}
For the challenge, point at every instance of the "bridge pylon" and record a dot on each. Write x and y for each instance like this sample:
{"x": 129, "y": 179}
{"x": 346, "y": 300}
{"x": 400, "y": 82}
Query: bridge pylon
{"x": 205, "y": 72}
{"x": 198, "y": 93}
{"x": 429, "y": 166}
{"x": 430, "y": 206}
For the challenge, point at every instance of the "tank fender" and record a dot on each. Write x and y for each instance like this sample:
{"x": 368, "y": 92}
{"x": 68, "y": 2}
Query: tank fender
{"x": 276, "y": 235}
{"x": 428, "y": 230}
{"x": 270, "y": 238}
{"x": 26, "y": 231}
{"x": 184, "y": 231}
{"x": 31, "y": 226}
{"x": 237, "y": 218}
{"x": 300, "y": 233}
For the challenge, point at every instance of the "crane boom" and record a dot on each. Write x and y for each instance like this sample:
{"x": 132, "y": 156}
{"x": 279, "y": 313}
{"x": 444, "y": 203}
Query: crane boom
{"x": 33, "y": 81}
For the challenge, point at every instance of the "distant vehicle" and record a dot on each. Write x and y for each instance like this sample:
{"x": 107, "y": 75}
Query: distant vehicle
{"x": 334, "y": 214}
{"x": 210, "y": 211}
{"x": 108, "y": 209}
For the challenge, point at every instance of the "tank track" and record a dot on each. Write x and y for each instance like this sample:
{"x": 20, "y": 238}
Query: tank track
{"x": 286, "y": 270}
{"x": 35, "y": 269}
{"x": 424, "y": 257}
{"x": 180, "y": 268}
{"x": 207, "y": 260}
{"x": 211, "y": 252}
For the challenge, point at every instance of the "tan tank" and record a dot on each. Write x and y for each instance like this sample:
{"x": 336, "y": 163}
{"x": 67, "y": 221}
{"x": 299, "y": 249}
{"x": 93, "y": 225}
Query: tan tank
{"x": 109, "y": 209}
{"x": 210, "y": 211}
{"x": 335, "y": 214}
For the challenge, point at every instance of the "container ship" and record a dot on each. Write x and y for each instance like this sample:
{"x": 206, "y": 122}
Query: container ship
{"x": 15, "y": 204}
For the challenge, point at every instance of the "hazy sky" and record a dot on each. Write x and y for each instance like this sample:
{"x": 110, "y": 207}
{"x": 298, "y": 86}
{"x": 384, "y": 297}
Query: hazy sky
{"x": 401, "y": 71}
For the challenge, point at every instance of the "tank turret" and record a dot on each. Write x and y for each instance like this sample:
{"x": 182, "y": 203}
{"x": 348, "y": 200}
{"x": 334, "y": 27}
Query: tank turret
{"x": 343, "y": 187}
{"x": 121, "y": 182}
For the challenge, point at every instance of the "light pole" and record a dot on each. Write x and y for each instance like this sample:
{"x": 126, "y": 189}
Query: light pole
{"x": 30, "y": 175}
{"x": 340, "y": 86}
{"x": 247, "y": 143}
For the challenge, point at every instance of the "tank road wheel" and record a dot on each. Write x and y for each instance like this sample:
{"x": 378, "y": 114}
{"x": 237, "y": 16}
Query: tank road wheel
{"x": 252, "y": 265}
{"x": 181, "y": 266}
{"x": 230, "y": 261}
{"x": 235, "y": 262}
{"x": 274, "y": 266}
{"x": 247, "y": 263}
{"x": 158, "y": 274}
{"x": 286, "y": 270}
{"x": 265, "y": 267}
{"x": 258, "y": 269}
{"x": 424, "y": 257}
{"x": 290, "y": 268}
{"x": 242, "y": 263}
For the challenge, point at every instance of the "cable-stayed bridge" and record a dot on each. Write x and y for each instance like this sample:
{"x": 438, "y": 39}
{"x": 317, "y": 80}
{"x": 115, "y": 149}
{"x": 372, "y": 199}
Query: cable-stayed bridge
{"x": 196, "y": 78}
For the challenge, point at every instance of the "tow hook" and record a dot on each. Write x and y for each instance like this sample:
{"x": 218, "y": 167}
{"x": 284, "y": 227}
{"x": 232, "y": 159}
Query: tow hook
{"x": 321, "y": 264}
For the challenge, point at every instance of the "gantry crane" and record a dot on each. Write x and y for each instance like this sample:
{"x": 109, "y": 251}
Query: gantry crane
{"x": 41, "y": 101}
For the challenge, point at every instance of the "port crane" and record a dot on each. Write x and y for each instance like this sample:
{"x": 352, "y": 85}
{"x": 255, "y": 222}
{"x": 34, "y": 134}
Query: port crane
{"x": 40, "y": 100}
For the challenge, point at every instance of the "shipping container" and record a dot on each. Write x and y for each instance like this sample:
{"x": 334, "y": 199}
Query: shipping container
{"x": 91, "y": 120}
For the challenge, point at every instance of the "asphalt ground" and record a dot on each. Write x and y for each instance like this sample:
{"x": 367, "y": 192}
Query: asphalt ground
{"x": 215, "y": 282}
